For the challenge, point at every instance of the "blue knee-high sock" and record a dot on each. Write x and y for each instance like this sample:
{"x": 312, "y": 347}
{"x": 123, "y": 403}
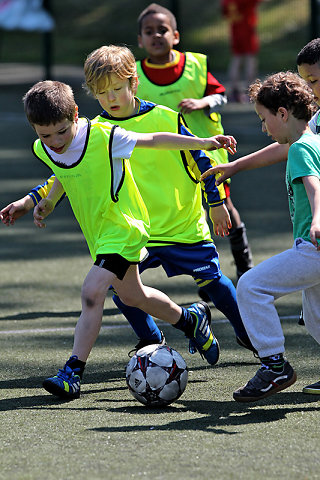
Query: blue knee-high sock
{"x": 142, "y": 323}
{"x": 223, "y": 295}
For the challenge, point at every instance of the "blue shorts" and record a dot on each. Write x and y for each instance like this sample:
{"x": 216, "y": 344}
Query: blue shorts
{"x": 200, "y": 260}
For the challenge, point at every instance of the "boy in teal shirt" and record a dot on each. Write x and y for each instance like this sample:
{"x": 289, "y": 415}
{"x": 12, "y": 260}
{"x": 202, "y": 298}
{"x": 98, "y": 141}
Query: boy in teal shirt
{"x": 284, "y": 104}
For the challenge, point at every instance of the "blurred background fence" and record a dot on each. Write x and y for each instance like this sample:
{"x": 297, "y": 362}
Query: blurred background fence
{"x": 81, "y": 26}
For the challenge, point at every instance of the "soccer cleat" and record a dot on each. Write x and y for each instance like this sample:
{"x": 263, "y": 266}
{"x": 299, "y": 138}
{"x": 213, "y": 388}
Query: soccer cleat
{"x": 266, "y": 382}
{"x": 66, "y": 384}
{"x": 313, "y": 389}
{"x": 203, "y": 339}
{"x": 143, "y": 342}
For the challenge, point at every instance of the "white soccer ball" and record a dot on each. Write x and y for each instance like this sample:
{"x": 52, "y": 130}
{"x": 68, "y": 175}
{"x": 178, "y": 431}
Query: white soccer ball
{"x": 157, "y": 375}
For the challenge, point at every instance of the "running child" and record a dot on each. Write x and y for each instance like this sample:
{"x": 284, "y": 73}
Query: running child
{"x": 284, "y": 103}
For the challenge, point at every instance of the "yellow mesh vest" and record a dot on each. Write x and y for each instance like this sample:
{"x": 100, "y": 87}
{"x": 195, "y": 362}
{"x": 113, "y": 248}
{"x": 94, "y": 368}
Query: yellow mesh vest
{"x": 112, "y": 219}
{"x": 191, "y": 84}
{"x": 167, "y": 184}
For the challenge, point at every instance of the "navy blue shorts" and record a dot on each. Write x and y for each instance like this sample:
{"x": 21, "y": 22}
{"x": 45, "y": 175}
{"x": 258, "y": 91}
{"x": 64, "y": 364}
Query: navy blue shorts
{"x": 200, "y": 260}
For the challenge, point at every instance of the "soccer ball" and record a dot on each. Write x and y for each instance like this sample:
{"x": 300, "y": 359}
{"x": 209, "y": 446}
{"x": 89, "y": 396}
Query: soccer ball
{"x": 157, "y": 375}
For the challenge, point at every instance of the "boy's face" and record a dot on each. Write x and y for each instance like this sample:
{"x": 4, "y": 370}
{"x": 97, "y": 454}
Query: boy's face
{"x": 274, "y": 125}
{"x": 311, "y": 74}
{"x": 57, "y": 136}
{"x": 157, "y": 37}
{"x": 116, "y": 96}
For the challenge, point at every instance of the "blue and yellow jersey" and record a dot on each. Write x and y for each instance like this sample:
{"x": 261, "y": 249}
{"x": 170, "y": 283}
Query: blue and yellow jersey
{"x": 111, "y": 214}
{"x": 168, "y": 180}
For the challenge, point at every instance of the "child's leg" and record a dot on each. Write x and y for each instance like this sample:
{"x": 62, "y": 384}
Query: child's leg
{"x": 194, "y": 321}
{"x": 295, "y": 269}
{"x": 142, "y": 323}
{"x": 222, "y": 293}
{"x": 94, "y": 291}
{"x": 132, "y": 292}
{"x": 250, "y": 68}
{"x": 66, "y": 383}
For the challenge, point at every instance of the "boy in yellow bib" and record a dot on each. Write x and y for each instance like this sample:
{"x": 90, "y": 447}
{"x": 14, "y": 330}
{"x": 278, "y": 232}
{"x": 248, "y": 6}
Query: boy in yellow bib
{"x": 90, "y": 162}
{"x": 182, "y": 81}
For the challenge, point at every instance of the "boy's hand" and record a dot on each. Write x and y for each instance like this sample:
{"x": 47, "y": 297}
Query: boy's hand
{"x": 222, "y": 141}
{"x": 188, "y": 105}
{"x": 41, "y": 211}
{"x": 226, "y": 170}
{"x": 15, "y": 210}
{"x": 315, "y": 235}
{"x": 221, "y": 220}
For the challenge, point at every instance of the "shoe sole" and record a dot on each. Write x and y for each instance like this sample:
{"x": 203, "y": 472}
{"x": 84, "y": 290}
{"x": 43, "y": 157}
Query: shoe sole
{"x": 269, "y": 393}
{"x": 311, "y": 391}
{"x": 55, "y": 390}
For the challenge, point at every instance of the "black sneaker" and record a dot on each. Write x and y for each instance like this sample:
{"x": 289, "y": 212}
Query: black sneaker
{"x": 143, "y": 342}
{"x": 313, "y": 389}
{"x": 266, "y": 382}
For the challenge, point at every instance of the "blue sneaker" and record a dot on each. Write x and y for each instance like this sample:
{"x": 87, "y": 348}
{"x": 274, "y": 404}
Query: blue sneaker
{"x": 203, "y": 339}
{"x": 66, "y": 384}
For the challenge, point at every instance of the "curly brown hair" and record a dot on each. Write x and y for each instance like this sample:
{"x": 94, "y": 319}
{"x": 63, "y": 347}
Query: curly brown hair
{"x": 284, "y": 89}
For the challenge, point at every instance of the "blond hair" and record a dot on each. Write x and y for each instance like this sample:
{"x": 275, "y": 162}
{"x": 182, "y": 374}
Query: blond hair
{"x": 107, "y": 60}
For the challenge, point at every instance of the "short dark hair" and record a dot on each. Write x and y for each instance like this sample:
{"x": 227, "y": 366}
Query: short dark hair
{"x": 284, "y": 89}
{"x": 155, "y": 8}
{"x": 310, "y": 53}
{"x": 49, "y": 102}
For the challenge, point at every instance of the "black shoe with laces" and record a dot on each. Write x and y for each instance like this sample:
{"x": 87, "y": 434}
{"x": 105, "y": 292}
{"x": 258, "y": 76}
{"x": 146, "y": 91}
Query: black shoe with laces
{"x": 266, "y": 382}
{"x": 143, "y": 342}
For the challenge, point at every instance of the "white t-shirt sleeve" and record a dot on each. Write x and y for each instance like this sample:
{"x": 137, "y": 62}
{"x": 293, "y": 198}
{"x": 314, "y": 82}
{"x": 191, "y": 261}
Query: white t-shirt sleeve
{"x": 123, "y": 143}
{"x": 313, "y": 122}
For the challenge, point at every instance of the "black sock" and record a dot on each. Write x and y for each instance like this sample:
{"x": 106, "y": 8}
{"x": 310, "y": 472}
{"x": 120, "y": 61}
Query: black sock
{"x": 186, "y": 323}
{"x": 274, "y": 362}
{"x": 75, "y": 363}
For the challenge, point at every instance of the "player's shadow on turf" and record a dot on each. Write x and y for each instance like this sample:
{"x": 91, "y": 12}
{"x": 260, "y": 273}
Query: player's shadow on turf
{"x": 216, "y": 417}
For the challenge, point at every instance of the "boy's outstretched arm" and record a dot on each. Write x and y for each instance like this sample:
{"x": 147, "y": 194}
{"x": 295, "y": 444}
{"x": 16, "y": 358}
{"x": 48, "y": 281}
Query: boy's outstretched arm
{"x": 46, "y": 205}
{"x": 312, "y": 186}
{"x": 273, "y": 153}
{"x": 173, "y": 141}
{"x": 15, "y": 210}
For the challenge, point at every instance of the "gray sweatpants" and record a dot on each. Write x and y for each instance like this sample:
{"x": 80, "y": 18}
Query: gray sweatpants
{"x": 291, "y": 271}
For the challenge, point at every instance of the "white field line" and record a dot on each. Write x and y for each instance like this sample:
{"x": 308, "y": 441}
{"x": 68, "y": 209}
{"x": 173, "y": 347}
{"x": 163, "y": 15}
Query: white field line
{"x": 34, "y": 331}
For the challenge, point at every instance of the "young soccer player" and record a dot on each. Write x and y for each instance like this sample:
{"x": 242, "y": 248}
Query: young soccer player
{"x": 88, "y": 160}
{"x": 183, "y": 82}
{"x": 284, "y": 104}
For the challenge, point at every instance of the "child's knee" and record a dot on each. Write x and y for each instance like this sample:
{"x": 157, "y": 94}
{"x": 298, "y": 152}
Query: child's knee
{"x": 91, "y": 297}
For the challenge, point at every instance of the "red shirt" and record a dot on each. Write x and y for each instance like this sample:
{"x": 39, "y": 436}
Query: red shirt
{"x": 243, "y": 18}
{"x": 172, "y": 71}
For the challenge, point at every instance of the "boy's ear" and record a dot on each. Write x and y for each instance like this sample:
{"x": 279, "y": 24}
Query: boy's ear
{"x": 140, "y": 44}
{"x": 176, "y": 37}
{"x": 283, "y": 113}
{"x": 134, "y": 84}
{"x": 76, "y": 114}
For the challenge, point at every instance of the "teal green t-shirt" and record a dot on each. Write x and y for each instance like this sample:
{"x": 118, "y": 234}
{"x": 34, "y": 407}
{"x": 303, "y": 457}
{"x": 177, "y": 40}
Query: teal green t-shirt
{"x": 303, "y": 161}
